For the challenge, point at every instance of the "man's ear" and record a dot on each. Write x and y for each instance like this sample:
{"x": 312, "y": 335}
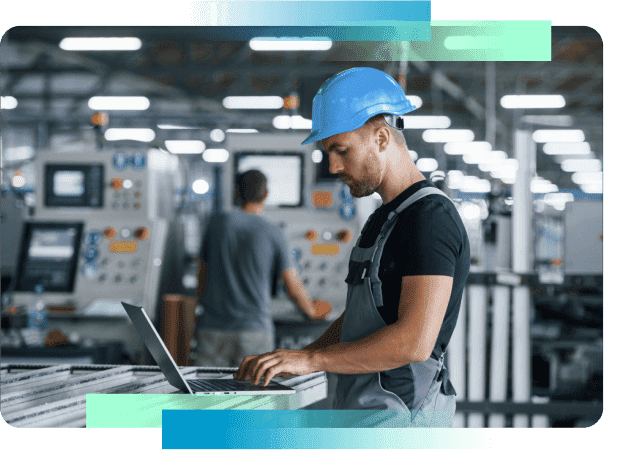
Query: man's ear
{"x": 266, "y": 194}
{"x": 382, "y": 137}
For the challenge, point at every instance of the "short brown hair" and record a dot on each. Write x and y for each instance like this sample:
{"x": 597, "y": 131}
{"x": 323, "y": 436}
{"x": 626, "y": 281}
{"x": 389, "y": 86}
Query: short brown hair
{"x": 251, "y": 186}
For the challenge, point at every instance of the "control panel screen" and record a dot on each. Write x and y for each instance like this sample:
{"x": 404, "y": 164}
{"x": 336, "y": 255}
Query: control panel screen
{"x": 284, "y": 172}
{"x": 48, "y": 259}
{"x": 74, "y": 185}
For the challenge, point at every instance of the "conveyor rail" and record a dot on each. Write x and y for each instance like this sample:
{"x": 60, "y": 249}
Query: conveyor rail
{"x": 33, "y": 395}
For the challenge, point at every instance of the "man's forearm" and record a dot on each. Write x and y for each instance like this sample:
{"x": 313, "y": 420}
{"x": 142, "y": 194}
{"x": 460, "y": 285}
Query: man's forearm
{"x": 330, "y": 337}
{"x": 303, "y": 302}
{"x": 386, "y": 349}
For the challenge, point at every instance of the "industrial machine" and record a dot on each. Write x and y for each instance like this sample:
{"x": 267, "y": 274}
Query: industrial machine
{"x": 96, "y": 236}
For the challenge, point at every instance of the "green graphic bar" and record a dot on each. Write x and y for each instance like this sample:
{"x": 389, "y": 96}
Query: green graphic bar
{"x": 416, "y": 41}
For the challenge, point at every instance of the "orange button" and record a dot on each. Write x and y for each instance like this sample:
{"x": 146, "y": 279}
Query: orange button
{"x": 137, "y": 194}
{"x": 116, "y": 184}
{"x": 311, "y": 235}
{"x": 141, "y": 233}
{"x": 344, "y": 235}
{"x": 137, "y": 205}
{"x": 110, "y": 233}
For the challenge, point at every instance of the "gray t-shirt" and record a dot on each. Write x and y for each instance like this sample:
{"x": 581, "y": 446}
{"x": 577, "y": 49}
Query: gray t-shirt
{"x": 243, "y": 255}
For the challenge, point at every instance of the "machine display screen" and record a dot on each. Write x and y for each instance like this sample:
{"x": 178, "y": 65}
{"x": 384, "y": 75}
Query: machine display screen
{"x": 48, "y": 259}
{"x": 74, "y": 185}
{"x": 284, "y": 172}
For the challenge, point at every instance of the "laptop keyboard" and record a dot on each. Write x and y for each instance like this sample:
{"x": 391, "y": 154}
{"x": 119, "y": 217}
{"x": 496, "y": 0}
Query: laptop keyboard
{"x": 220, "y": 385}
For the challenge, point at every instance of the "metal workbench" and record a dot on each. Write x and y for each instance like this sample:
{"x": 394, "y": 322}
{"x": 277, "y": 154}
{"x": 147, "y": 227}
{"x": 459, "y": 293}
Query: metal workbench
{"x": 39, "y": 396}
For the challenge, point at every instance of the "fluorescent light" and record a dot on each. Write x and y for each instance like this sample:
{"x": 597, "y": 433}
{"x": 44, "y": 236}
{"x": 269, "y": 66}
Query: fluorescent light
{"x": 317, "y": 156}
{"x": 423, "y": 122}
{"x": 185, "y": 147}
{"x": 119, "y": 103}
{"x": 550, "y": 121}
{"x": 499, "y": 164}
{"x": 448, "y": 135}
{"x": 295, "y": 122}
{"x": 484, "y": 157}
{"x": 133, "y": 134}
{"x": 217, "y": 135}
{"x": 241, "y": 130}
{"x": 581, "y": 165}
{"x": 282, "y": 122}
{"x": 566, "y": 148}
{"x": 272, "y": 44}
{"x": 560, "y": 158}
{"x": 558, "y": 199}
{"x": 595, "y": 188}
{"x": 471, "y": 211}
{"x": 100, "y": 44}
{"x": 427, "y": 164}
{"x": 542, "y": 186}
{"x": 17, "y": 153}
{"x": 8, "y": 102}
{"x": 414, "y": 155}
{"x": 415, "y": 100}
{"x": 505, "y": 170}
{"x": 454, "y": 179}
{"x": 215, "y": 155}
{"x": 200, "y": 186}
{"x": 558, "y": 136}
{"x": 475, "y": 184}
{"x": 461, "y": 148}
{"x": 476, "y": 157}
{"x": 176, "y": 127}
{"x": 253, "y": 102}
{"x": 587, "y": 177}
{"x": 532, "y": 101}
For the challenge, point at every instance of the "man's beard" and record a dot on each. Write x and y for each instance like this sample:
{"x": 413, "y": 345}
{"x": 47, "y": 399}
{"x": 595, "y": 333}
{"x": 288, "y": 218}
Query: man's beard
{"x": 368, "y": 184}
{"x": 360, "y": 188}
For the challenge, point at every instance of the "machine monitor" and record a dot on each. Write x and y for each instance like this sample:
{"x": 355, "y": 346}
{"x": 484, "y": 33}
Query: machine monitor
{"x": 74, "y": 185}
{"x": 284, "y": 172}
{"x": 48, "y": 260}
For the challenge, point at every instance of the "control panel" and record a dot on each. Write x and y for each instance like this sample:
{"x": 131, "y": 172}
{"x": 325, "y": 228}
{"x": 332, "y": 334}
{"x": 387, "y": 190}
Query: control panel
{"x": 133, "y": 183}
{"x": 116, "y": 261}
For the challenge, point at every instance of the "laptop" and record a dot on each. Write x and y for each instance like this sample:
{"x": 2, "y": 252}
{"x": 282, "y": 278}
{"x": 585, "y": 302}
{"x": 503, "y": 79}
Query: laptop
{"x": 160, "y": 353}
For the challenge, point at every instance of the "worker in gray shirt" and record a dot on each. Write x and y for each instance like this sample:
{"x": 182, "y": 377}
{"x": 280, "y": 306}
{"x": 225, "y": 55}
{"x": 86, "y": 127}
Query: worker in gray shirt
{"x": 242, "y": 254}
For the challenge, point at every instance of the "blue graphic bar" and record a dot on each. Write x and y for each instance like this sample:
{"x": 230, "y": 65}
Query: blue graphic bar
{"x": 310, "y": 13}
{"x": 193, "y": 429}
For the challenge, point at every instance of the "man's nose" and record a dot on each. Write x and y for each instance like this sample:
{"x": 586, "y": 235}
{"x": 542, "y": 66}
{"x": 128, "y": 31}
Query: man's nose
{"x": 335, "y": 163}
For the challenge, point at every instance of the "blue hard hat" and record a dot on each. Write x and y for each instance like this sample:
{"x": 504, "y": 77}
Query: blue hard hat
{"x": 347, "y": 100}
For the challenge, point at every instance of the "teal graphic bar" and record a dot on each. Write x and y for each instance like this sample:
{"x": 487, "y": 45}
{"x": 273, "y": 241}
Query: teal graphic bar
{"x": 305, "y": 429}
{"x": 308, "y": 13}
{"x": 414, "y": 41}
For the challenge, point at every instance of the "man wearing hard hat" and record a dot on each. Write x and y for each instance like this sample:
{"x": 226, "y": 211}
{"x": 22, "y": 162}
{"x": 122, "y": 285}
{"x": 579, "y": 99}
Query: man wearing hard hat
{"x": 406, "y": 273}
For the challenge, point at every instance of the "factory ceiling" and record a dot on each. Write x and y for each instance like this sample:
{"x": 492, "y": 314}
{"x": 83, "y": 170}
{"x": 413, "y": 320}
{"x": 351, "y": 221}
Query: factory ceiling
{"x": 186, "y": 73}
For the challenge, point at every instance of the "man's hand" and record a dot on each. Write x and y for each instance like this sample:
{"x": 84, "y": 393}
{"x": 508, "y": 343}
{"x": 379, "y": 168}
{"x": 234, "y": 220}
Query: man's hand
{"x": 277, "y": 363}
{"x": 321, "y": 309}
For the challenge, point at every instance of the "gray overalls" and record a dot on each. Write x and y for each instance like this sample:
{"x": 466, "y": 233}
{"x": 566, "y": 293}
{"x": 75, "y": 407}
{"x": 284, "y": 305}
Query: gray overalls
{"x": 434, "y": 402}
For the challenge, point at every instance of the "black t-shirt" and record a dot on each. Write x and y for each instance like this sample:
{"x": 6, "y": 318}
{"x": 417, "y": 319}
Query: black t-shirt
{"x": 429, "y": 238}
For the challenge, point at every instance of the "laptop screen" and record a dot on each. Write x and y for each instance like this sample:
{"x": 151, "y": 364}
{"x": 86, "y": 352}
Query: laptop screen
{"x": 156, "y": 346}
